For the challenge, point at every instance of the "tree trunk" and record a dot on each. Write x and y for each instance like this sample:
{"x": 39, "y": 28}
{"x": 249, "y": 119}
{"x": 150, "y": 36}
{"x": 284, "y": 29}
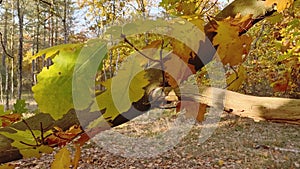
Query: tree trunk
{"x": 20, "y": 52}
{"x": 12, "y": 48}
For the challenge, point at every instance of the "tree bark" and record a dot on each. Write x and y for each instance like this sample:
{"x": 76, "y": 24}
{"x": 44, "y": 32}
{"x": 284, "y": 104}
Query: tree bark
{"x": 272, "y": 109}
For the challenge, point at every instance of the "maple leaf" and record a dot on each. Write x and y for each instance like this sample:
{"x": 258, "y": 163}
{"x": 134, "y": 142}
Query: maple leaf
{"x": 122, "y": 90}
{"x": 231, "y": 46}
{"x": 20, "y": 107}
{"x": 53, "y": 92}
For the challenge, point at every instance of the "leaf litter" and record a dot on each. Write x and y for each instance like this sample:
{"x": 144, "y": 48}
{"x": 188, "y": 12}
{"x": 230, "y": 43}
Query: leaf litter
{"x": 236, "y": 143}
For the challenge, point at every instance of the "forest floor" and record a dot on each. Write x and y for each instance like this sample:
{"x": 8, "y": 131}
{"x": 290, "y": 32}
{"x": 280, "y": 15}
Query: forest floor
{"x": 236, "y": 143}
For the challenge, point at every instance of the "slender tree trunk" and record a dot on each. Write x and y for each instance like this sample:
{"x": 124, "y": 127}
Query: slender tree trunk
{"x": 12, "y": 48}
{"x": 20, "y": 52}
{"x": 4, "y": 58}
{"x": 65, "y": 21}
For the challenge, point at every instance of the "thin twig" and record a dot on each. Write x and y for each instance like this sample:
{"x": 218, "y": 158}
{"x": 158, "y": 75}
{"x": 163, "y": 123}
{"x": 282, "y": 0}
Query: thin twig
{"x": 236, "y": 77}
{"x": 204, "y": 7}
{"x": 208, "y": 9}
{"x": 136, "y": 49}
{"x": 42, "y": 133}
{"x": 36, "y": 140}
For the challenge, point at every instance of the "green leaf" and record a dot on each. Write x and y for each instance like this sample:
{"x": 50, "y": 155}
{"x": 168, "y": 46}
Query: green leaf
{"x": 62, "y": 159}
{"x": 54, "y": 90}
{"x": 22, "y": 140}
{"x": 20, "y": 107}
{"x": 122, "y": 90}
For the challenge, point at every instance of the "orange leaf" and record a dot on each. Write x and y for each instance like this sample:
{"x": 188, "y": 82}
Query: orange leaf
{"x": 61, "y": 138}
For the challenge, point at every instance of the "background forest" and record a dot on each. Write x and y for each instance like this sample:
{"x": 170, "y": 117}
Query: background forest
{"x": 29, "y": 26}
{"x": 268, "y": 66}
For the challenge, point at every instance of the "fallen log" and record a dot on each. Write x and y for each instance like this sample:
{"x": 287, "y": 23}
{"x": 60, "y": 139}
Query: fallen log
{"x": 272, "y": 109}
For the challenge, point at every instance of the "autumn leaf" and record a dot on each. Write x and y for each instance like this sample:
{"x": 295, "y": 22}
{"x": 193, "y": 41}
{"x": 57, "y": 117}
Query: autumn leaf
{"x": 8, "y": 119}
{"x": 232, "y": 48}
{"x": 122, "y": 90}
{"x": 7, "y": 166}
{"x": 52, "y": 51}
{"x": 61, "y": 137}
{"x": 62, "y": 159}
{"x": 77, "y": 155}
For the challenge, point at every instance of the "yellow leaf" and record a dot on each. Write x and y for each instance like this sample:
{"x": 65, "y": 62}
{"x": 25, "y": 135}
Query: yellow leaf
{"x": 62, "y": 159}
{"x": 232, "y": 48}
{"x": 122, "y": 90}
